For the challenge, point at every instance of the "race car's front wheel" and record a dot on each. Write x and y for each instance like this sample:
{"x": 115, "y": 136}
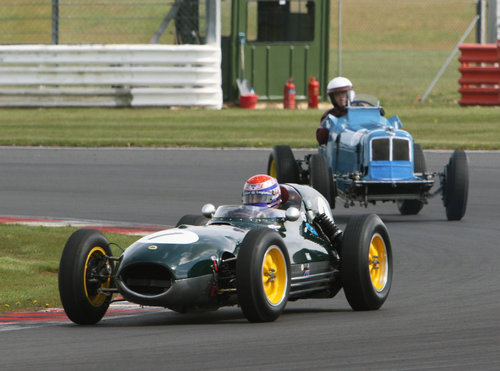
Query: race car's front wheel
{"x": 321, "y": 178}
{"x": 282, "y": 165}
{"x": 84, "y": 269}
{"x": 413, "y": 207}
{"x": 262, "y": 275}
{"x": 192, "y": 219}
{"x": 366, "y": 262}
{"x": 456, "y": 185}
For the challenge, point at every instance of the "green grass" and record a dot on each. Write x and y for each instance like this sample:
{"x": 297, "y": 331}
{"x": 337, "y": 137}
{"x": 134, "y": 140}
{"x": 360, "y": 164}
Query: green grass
{"x": 468, "y": 128}
{"x": 29, "y": 262}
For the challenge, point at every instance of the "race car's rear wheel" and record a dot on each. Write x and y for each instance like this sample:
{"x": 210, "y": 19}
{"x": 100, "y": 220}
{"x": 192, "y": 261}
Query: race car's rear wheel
{"x": 282, "y": 165}
{"x": 366, "y": 262}
{"x": 262, "y": 275}
{"x": 83, "y": 270}
{"x": 192, "y": 219}
{"x": 456, "y": 185}
{"x": 333, "y": 188}
{"x": 413, "y": 207}
{"x": 320, "y": 177}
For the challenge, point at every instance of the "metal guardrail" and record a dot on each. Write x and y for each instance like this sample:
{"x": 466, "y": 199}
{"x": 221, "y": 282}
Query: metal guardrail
{"x": 110, "y": 75}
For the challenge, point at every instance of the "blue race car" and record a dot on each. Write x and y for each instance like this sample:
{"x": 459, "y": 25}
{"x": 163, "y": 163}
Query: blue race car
{"x": 369, "y": 158}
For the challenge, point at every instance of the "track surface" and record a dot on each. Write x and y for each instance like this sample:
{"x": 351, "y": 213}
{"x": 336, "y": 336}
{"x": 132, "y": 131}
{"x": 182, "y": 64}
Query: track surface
{"x": 443, "y": 311}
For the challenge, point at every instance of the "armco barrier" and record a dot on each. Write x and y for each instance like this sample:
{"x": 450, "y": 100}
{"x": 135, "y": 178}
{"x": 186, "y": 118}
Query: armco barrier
{"x": 110, "y": 75}
{"x": 480, "y": 74}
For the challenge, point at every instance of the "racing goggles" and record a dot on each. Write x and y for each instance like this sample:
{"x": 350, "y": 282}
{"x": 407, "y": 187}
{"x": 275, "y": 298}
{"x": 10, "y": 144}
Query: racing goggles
{"x": 260, "y": 198}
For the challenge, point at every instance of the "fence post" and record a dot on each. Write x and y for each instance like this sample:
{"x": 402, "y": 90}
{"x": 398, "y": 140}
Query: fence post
{"x": 55, "y": 21}
{"x": 481, "y": 25}
{"x": 339, "y": 40}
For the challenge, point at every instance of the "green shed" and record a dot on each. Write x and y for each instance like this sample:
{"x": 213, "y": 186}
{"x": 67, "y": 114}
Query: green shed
{"x": 281, "y": 39}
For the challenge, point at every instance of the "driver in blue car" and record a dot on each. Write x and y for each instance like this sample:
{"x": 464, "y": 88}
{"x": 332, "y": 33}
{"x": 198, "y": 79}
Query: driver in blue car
{"x": 340, "y": 91}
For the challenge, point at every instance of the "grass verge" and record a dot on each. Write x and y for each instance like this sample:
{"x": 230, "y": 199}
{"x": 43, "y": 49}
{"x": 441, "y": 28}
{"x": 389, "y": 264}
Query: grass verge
{"x": 440, "y": 127}
{"x": 29, "y": 262}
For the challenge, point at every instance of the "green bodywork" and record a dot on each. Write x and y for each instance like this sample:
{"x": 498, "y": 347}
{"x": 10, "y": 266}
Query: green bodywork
{"x": 188, "y": 260}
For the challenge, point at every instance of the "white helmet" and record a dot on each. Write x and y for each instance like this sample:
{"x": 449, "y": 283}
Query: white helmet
{"x": 340, "y": 84}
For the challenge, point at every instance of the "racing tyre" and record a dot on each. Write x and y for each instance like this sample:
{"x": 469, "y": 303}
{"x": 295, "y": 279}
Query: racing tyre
{"x": 319, "y": 176}
{"x": 192, "y": 219}
{"x": 413, "y": 207}
{"x": 262, "y": 275}
{"x": 282, "y": 165}
{"x": 333, "y": 188}
{"x": 456, "y": 185}
{"x": 84, "y": 269}
{"x": 366, "y": 262}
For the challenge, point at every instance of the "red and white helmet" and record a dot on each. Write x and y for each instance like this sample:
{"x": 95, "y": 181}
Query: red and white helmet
{"x": 262, "y": 190}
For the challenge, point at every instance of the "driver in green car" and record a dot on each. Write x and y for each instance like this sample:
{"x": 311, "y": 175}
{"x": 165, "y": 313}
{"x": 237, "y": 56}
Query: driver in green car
{"x": 264, "y": 191}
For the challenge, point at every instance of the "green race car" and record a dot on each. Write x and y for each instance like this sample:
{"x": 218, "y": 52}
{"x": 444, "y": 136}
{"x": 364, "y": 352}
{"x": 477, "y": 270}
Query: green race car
{"x": 255, "y": 257}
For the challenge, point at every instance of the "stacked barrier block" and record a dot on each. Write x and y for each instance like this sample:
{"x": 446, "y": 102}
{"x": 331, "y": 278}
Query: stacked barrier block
{"x": 480, "y": 75}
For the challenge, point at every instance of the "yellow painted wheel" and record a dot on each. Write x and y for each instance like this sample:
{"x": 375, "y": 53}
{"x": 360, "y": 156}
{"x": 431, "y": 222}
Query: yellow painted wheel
{"x": 366, "y": 262}
{"x": 282, "y": 165}
{"x": 274, "y": 275}
{"x": 93, "y": 265}
{"x": 272, "y": 168}
{"x": 84, "y": 269}
{"x": 262, "y": 275}
{"x": 378, "y": 262}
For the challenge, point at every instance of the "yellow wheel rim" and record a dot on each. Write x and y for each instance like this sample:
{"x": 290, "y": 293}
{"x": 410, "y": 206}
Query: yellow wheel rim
{"x": 274, "y": 275}
{"x": 272, "y": 169}
{"x": 95, "y": 299}
{"x": 378, "y": 262}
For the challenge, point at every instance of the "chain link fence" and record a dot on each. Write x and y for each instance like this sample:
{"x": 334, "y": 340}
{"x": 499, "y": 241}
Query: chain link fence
{"x": 394, "y": 48}
{"x": 102, "y": 21}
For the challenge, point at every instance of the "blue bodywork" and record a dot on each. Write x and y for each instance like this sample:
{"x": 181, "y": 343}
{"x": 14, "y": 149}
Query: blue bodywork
{"x": 371, "y": 157}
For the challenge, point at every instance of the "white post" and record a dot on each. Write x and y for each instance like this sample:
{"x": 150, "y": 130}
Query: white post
{"x": 213, "y": 26}
{"x": 339, "y": 41}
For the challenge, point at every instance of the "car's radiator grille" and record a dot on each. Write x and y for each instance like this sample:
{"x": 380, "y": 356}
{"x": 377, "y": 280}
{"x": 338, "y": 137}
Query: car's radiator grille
{"x": 380, "y": 149}
{"x": 146, "y": 279}
{"x": 390, "y": 149}
{"x": 400, "y": 150}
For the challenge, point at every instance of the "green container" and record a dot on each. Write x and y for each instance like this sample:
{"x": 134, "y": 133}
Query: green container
{"x": 282, "y": 39}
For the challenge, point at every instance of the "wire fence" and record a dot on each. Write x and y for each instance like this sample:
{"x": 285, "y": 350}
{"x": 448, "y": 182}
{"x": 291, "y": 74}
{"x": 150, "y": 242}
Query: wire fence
{"x": 395, "y": 48}
{"x": 101, "y": 21}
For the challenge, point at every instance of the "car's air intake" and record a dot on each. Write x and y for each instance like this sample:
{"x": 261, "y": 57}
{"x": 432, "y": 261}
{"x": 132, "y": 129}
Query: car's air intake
{"x": 146, "y": 279}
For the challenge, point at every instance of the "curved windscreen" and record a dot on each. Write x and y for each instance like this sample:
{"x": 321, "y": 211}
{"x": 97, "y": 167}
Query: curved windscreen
{"x": 247, "y": 212}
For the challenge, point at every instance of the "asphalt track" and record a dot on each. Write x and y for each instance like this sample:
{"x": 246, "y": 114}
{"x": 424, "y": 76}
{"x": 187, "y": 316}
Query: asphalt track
{"x": 443, "y": 311}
